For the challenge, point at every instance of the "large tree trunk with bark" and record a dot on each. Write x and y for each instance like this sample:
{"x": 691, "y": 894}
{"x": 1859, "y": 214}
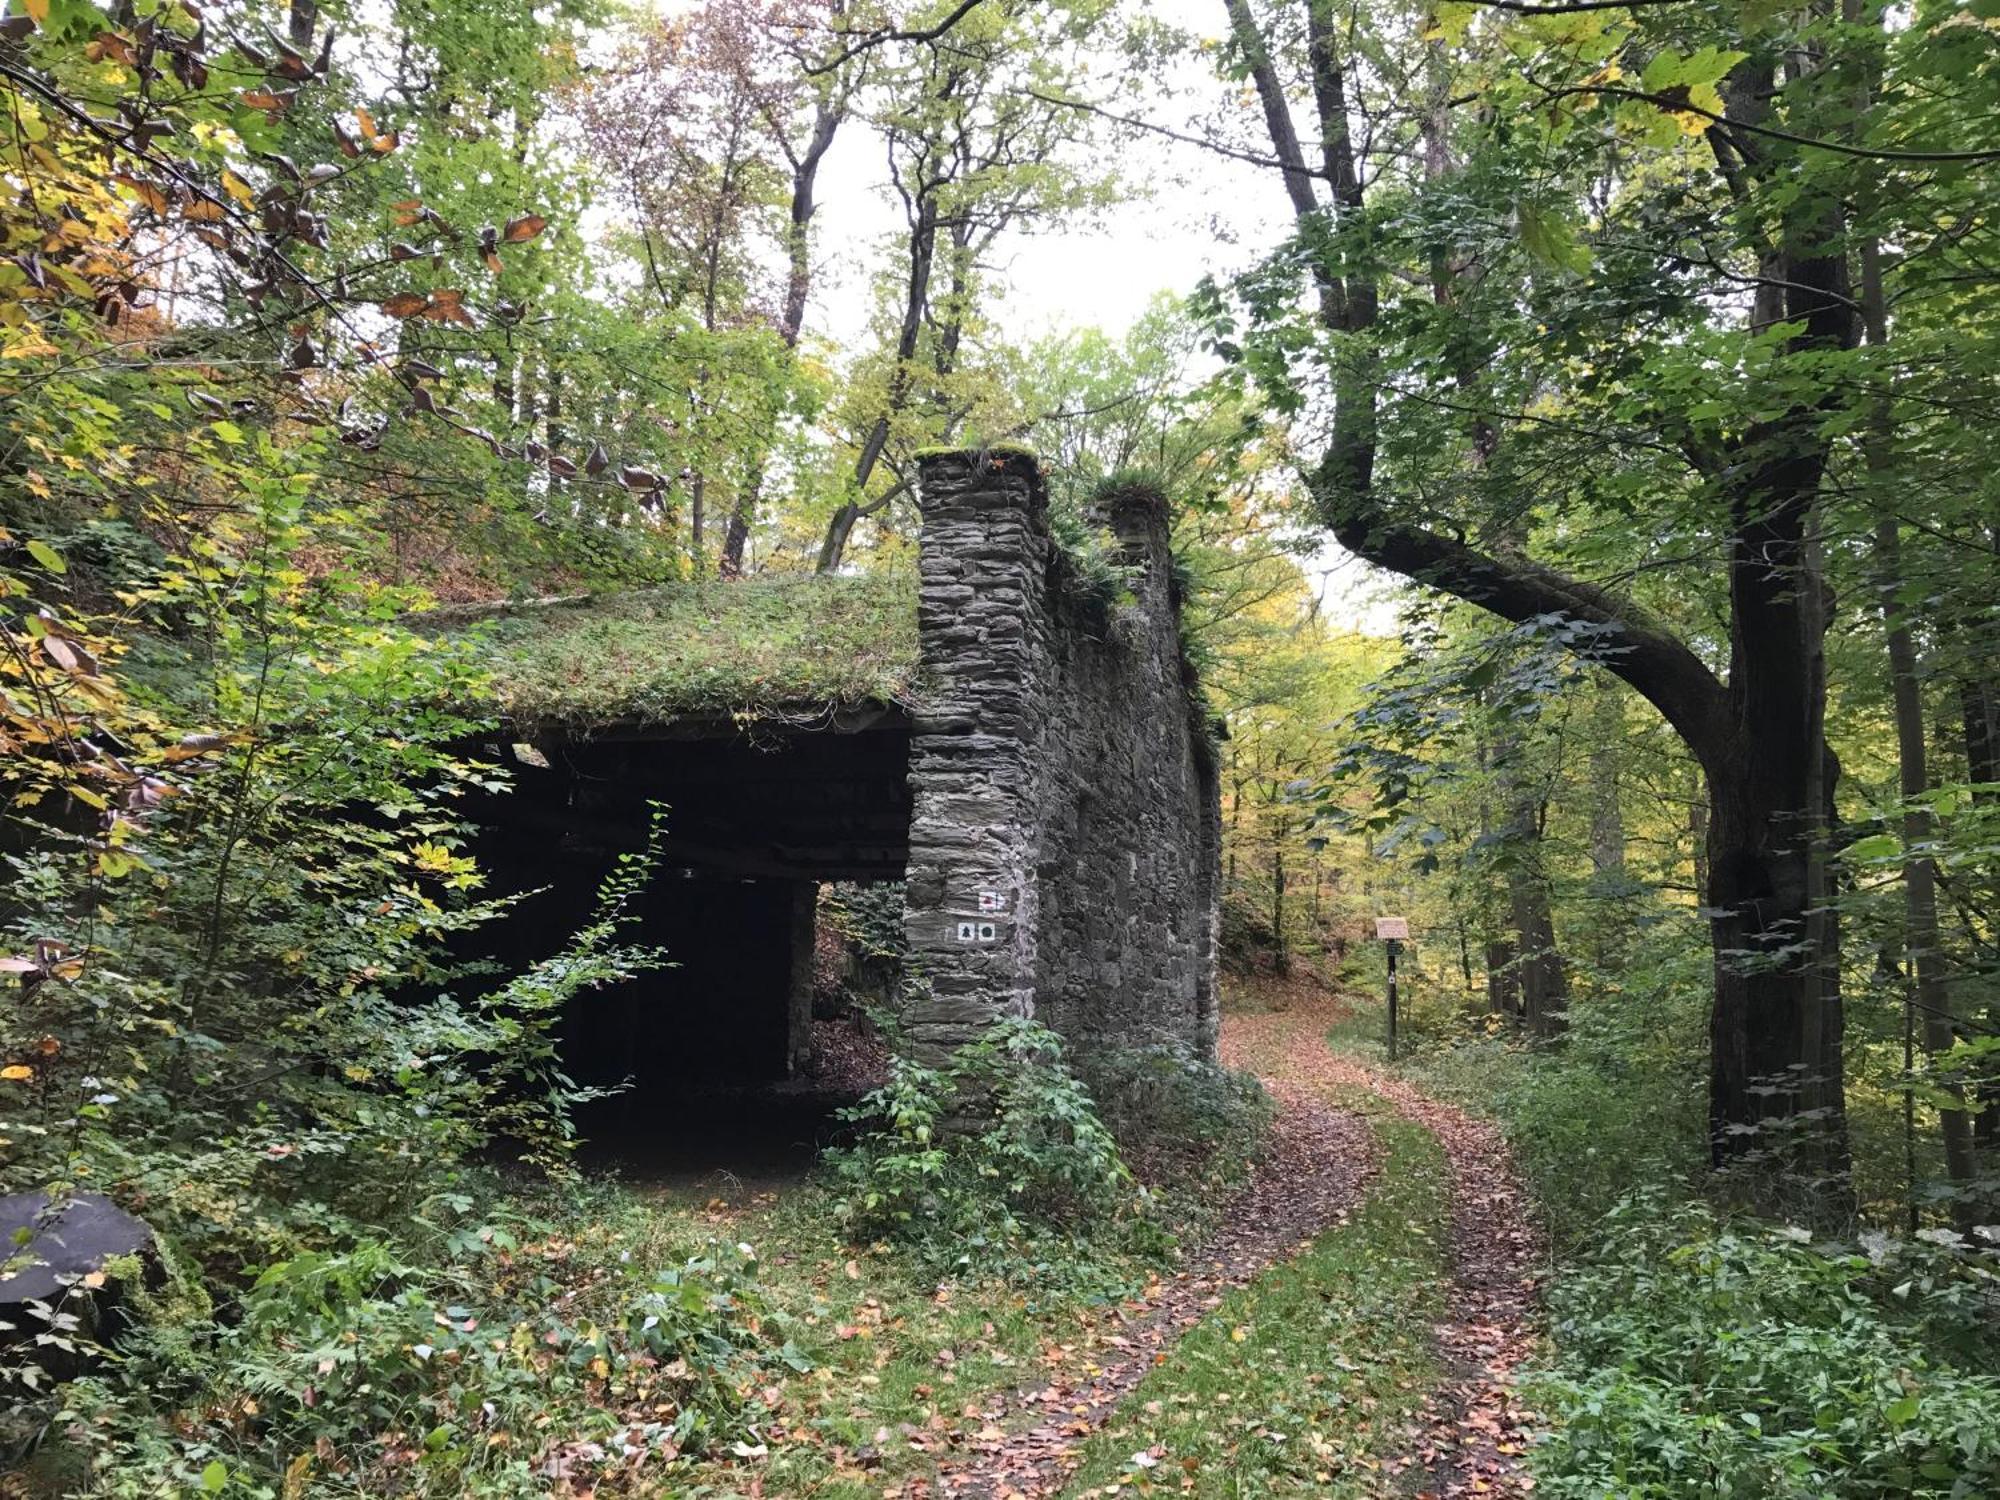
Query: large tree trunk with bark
{"x": 1772, "y": 1066}
{"x": 1776, "y": 1022}
{"x": 1776, "y": 1032}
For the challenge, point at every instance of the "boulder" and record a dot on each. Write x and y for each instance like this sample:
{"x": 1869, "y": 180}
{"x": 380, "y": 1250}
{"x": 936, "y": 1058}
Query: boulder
{"x": 49, "y": 1253}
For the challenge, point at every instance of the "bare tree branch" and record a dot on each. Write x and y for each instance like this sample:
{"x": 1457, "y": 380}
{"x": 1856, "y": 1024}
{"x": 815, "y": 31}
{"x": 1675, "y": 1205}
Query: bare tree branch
{"x": 1255, "y": 159}
{"x": 1674, "y": 104}
{"x": 873, "y": 39}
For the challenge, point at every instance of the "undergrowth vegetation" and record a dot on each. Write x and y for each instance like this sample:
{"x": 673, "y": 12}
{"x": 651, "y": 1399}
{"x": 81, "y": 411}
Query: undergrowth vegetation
{"x": 510, "y": 1335}
{"x": 996, "y": 1161}
{"x": 1700, "y": 1357}
{"x": 1698, "y": 1353}
{"x": 484, "y": 1359}
{"x": 1182, "y": 1120}
{"x": 1618, "y": 1103}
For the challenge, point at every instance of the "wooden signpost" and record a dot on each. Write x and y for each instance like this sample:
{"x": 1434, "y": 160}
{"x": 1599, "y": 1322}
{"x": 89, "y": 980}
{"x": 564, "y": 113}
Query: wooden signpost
{"x": 1394, "y": 932}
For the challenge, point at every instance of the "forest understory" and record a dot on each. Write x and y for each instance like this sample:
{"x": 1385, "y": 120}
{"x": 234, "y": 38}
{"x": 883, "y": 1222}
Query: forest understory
{"x": 1573, "y": 428}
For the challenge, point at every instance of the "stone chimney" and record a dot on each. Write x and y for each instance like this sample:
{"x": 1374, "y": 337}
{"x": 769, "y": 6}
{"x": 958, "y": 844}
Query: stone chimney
{"x": 970, "y": 915}
{"x": 1136, "y": 515}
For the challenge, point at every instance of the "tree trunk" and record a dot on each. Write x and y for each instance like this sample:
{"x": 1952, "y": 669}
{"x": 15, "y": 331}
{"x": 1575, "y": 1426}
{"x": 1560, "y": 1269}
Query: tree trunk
{"x": 1775, "y": 1085}
{"x": 1540, "y": 983}
{"x": 1926, "y": 989}
{"x": 554, "y": 437}
{"x": 1607, "y": 820}
{"x": 1759, "y": 735}
{"x": 505, "y": 395}
{"x": 1544, "y": 990}
{"x": 1281, "y": 955}
{"x": 1979, "y": 707}
{"x": 1536, "y": 980}
{"x": 1611, "y": 922}
{"x": 1698, "y": 835}
{"x": 827, "y": 117}
{"x": 1503, "y": 981}
{"x": 916, "y": 297}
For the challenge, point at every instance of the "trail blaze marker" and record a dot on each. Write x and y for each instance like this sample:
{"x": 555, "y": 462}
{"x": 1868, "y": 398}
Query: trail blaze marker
{"x": 1394, "y": 932}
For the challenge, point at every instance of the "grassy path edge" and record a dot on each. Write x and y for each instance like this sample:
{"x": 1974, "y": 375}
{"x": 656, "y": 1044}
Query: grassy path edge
{"x": 1308, "y": 1380}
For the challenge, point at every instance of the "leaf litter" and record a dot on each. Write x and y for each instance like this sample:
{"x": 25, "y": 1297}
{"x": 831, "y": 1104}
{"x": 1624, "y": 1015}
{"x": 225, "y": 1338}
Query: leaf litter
{"x": 1320, "y": 1161}
{"x": 1471, "y": 1434}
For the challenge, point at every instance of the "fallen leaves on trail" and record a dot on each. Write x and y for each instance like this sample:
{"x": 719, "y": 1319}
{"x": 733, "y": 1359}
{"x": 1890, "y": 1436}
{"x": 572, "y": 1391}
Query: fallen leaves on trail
{"x": 1319, "y": 1163}
{"x": 1474, "y": 1435}
{"x": 848, "y": 1056}
{"x": 1471, "y": 1435}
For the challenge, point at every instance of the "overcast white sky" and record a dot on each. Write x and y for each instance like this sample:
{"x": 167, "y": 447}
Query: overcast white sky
{"x": 1193, "y": 213}
{"x": 1196, "y": 213}
{"x": 1077, "y": 277}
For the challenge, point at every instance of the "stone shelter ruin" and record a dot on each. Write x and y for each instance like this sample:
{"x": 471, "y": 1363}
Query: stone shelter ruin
{"x": 1029, "y": 757}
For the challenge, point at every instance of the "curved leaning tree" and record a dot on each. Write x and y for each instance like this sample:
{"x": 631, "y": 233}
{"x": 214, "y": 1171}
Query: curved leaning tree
{"x": 1582, "y": 321}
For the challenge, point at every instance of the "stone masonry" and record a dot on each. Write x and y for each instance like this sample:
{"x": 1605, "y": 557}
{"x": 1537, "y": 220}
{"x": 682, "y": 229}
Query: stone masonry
{"x": 1065, "y": 833}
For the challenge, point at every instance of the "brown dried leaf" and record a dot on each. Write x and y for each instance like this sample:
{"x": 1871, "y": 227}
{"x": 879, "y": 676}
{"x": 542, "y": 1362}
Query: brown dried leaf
{"x": 147, "y": 193}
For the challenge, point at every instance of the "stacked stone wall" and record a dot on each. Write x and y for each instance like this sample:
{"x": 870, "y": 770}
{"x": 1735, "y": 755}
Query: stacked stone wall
{"x": 1065, "y": 834}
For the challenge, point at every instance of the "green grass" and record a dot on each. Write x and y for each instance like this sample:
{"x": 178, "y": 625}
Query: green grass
{"x": 1303, "y": 1382}
{"x": 896, "y": 1357}
{"x": 655, "y": 654}
{"x": 1363, "y": 1032}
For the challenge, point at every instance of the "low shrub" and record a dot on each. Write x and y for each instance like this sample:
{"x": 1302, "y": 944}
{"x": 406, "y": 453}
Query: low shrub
{"x": 1700, "y": 1358}
{"x": 485, "y": 1365}
{"x": 1180, "y": 1118}
{"x": 1617, "y": 1104}
{"x": 990, "y": 1161}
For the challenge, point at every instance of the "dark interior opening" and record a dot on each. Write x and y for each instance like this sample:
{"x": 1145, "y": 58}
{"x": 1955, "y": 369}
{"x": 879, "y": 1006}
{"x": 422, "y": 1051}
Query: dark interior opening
{"x": 712, "y": 1057}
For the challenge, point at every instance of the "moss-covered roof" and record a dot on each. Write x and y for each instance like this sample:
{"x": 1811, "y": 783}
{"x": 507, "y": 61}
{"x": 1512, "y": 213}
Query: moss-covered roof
{"x": 651, "y": 655}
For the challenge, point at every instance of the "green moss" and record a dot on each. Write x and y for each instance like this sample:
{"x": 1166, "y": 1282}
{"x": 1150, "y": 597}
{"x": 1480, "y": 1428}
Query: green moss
{"x": 992, "y": 450}
{"x": 656, "y": 654}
